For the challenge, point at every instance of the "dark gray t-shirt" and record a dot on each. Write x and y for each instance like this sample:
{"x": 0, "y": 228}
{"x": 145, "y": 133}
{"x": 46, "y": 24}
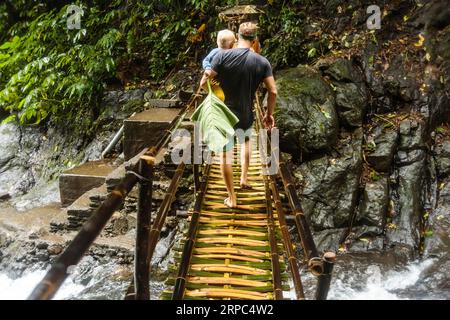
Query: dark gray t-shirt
{"x": 240, "y": 72}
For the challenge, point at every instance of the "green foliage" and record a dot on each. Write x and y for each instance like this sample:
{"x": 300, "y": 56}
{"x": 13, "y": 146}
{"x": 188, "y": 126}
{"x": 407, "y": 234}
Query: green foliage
{"x": 374, "y": 176}
{"x": 286, "y": 34}
{"x": 50, "y": 72}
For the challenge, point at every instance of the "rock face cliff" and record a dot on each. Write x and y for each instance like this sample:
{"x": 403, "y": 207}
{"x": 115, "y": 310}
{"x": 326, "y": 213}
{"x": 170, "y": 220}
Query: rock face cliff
{"x": 367, "y": 128}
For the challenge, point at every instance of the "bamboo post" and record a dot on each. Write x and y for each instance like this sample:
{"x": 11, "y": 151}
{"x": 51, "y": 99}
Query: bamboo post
{"x": 324, "y": 280}
{"x": 180, "y": 283}
{"x": 158, "y": 224}
{"x": 142, "y": 258}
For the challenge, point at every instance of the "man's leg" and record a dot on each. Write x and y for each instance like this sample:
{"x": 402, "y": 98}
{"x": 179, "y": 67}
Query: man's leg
{"x": 245, "y": 162}
{"x": 226, "y": 167}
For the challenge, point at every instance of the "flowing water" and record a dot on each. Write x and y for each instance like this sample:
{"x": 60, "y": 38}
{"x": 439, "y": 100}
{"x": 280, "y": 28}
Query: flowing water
{"x": 362, "y": 281}
{"x": 370, "y": 282}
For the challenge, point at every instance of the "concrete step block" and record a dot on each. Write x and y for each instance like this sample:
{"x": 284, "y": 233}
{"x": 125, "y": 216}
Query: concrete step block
{"x": 146, "y": 128}
{"x": 75, "y": 182}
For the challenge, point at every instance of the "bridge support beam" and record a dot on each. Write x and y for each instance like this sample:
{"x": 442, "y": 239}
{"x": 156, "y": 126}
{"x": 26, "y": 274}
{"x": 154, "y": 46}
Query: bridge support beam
{"x": 142, "y": 257}
{"x": 324, "y": 280}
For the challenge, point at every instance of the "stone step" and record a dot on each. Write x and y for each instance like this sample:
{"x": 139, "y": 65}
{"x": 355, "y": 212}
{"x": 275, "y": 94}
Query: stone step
{"x": 79, "y": 211}
{"x": 164, "y": 103}
{"x": 75, "y": 182}
{"x": 146, "y": 128}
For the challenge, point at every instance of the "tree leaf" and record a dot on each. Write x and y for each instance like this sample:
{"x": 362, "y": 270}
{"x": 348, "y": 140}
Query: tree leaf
{"x": 216, "y": 122}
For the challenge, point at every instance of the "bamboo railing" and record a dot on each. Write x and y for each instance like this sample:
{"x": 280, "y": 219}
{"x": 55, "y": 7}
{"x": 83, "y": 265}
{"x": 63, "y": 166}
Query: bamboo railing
{"x": 141, "y": 172}
{"x": 180, "y": 283}
{"x": 321, "y": 267}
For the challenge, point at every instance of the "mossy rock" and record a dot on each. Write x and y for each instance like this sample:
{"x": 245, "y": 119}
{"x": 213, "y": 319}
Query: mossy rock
{"x": 305, "y": 113}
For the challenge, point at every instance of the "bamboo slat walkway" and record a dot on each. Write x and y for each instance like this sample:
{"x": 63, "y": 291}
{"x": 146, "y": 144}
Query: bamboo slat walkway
{"x": 234, "y": 251}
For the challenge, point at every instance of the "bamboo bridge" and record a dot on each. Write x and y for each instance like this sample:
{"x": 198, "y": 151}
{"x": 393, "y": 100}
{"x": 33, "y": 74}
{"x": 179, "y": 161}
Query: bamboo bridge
{"x": 240, "y": 253}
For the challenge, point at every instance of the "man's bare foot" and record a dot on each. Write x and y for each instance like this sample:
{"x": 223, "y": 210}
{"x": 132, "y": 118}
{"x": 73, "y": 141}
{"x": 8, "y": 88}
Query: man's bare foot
{"x": 229, "y": 203}
{"x": 246, "y": 186}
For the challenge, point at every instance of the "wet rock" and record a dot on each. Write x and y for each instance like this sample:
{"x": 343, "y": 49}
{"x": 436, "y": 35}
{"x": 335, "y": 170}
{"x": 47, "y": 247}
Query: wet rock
{"x": 9, "y": 144}
{"x": 132, "y": 219}
{"x": 4, "y": 240}
{"x": 374, "y": 204}
{"x": 385, "y": 143}
{"x": 351, "y": 96}
{"x": 330, "y": 184}
{"x": 328, "y": 240}
{"x": 42, "y": 245}
{"x": 42, "y": 256}
{"x": 437, "y": 240}
{"x": 132, "y": 95}
{"x": 12, "y": 184}
{"x": 412, "y": 134}
{"x": 122, "y": 273}
{"x": 365, "y": 240}
{"x": 442, "y": 158}
{"x": 436, "y": 280}
{"x": 119, "y": 224}
{"x": 341, "y": 70}
{"x": 411, "y": 184}
{"x": 305, "y": 113}
{"x": 400, "y": 83}
{"x": 33, "y": 235}
{"x": 5, "y": 196}
{"x": 55, "y": 249}
{"x": 350, "y": 102}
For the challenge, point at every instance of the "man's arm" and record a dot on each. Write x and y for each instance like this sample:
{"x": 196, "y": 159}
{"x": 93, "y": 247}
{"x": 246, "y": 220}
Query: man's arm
{"x": 272, "y": 92}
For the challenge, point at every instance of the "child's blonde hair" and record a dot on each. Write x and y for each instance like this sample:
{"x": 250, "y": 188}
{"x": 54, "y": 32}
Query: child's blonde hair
{"x": 226, "y": 39}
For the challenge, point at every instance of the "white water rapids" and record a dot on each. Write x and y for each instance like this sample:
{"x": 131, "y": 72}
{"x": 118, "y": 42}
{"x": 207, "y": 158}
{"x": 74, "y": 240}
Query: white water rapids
{"x": 368, "y": 283}
{"x": 19, "y": 289}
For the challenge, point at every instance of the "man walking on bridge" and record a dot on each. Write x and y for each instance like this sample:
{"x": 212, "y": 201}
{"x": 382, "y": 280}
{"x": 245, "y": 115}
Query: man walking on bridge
{"x": 240, "y": 72}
